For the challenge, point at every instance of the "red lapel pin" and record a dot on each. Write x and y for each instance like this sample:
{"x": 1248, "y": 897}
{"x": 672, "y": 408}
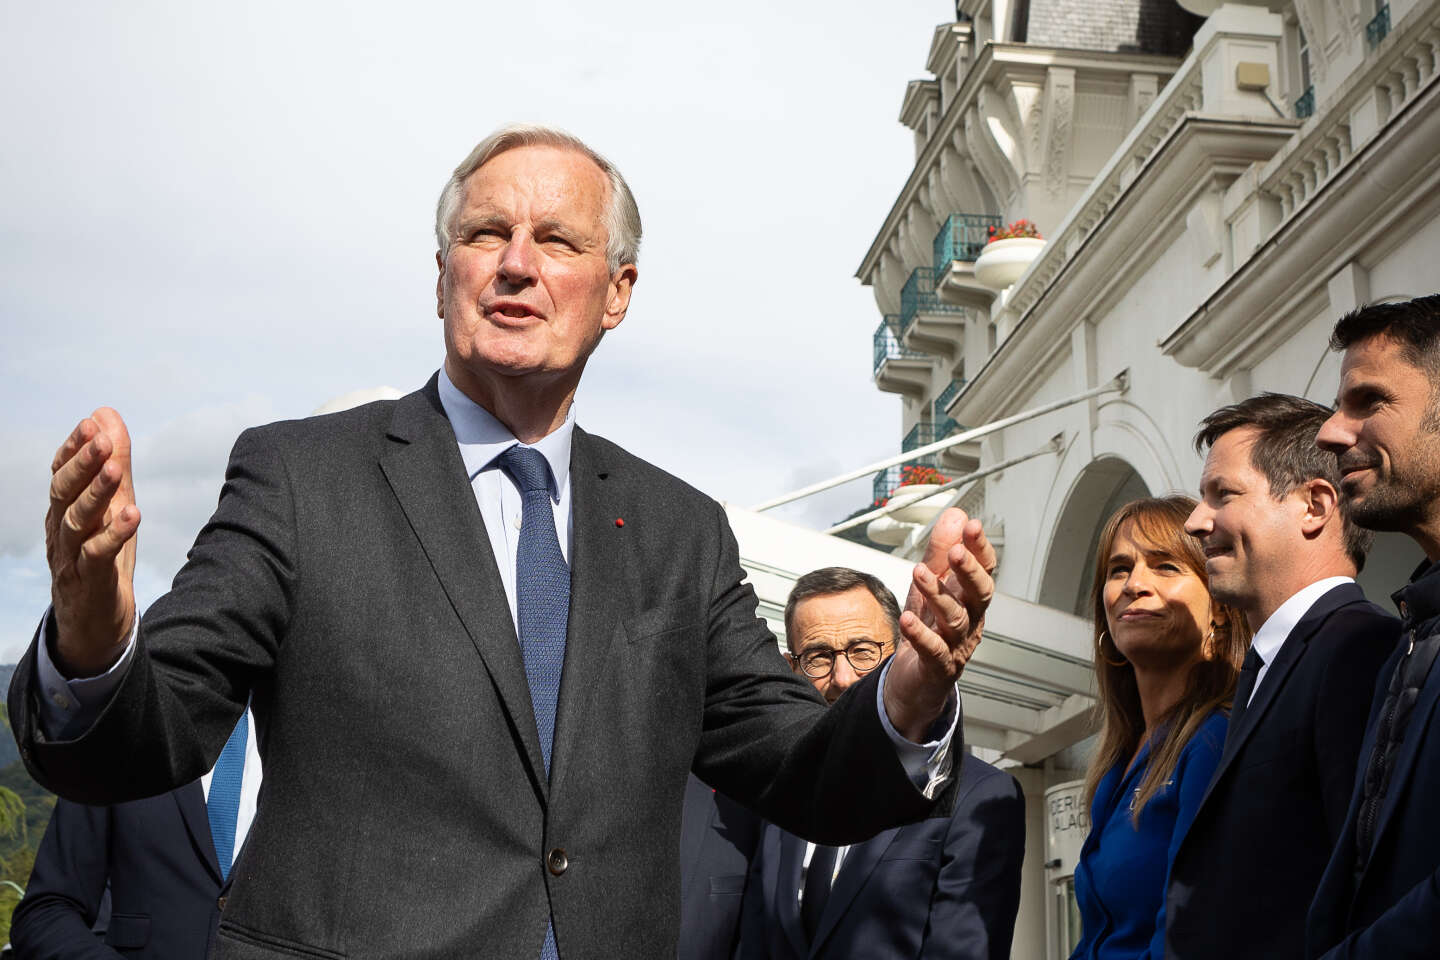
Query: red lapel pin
{"x": 619, "y": 521}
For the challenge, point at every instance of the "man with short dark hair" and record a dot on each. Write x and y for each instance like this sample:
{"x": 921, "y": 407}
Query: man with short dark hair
{"x": 1380, "y": 896}
{"x": 948, "y": 887}
{"x": 482, "y": 643}
{"x": 1280, "y": 549}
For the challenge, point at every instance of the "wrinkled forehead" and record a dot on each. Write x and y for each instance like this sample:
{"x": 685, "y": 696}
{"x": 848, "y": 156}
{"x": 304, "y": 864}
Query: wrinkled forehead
{"x": 837, "y": 619}
{"x": 1377, "y": 357}
{"x": 544, "y": 177}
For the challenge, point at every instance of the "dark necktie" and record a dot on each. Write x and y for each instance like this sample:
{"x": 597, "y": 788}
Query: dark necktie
{"x": 817, "y": 888}
{"x": 542, "y": 603}
{"x": 1249, "y": 670}
{"x": 223, "y": 802}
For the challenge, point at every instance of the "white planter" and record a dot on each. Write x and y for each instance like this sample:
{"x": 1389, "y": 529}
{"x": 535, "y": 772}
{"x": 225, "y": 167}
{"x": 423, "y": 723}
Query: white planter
{"x": 889, "y": 531}
{"x": 1001, "y": 262}
{"x": 911, "y": 511}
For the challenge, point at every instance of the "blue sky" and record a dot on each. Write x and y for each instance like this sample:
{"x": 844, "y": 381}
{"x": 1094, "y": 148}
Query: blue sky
{"x": 220, "y": 215}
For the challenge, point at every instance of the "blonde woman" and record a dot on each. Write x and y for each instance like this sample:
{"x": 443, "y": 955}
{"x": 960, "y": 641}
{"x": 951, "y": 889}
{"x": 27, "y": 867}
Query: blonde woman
{"x": 1166, "y": 662}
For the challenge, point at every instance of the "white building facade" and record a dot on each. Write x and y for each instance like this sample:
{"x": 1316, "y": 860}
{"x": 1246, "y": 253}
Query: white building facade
{"x": 1214, "y": 187}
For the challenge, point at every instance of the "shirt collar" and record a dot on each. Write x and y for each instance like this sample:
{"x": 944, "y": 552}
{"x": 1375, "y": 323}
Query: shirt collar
{"x": 482, "y": 438}
{"x": 1271, "y": 635}
{"x": 1419, "y": 600}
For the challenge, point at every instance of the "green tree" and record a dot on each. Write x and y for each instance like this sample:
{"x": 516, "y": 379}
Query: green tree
{"x": 12, "y": 828}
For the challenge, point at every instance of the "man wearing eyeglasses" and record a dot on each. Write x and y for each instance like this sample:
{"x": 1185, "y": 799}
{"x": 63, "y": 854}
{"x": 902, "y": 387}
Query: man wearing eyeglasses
{"x": 947, "y": 887}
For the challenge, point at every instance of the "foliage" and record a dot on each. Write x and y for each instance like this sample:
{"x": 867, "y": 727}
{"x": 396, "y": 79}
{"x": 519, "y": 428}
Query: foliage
{"x": 914, "y": 475}
{"x": 25, "y": 809}
{"x": 1020, "y": 228}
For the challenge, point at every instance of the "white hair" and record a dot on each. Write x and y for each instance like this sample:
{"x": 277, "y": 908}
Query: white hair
{"x": 622, "y": 215}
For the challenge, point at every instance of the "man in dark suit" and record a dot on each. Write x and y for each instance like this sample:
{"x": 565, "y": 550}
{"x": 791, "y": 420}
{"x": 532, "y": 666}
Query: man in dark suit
{"x": 717, "y": 840}
{"x": 165, "y": 868}
{"x": 401, "y": 588}
{"x": 1280, "y": 549}
{"x": 1380, "y": 896}
{"x": 946, "y": 887}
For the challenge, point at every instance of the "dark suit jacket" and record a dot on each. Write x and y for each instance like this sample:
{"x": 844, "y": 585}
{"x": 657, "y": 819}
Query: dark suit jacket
{"x": 346, "y": 583}
{"x": 717, "y": 839}
{"x": 1246, "y": 871}
{"x": 948, "y": 887}
{"x": 1393, "y": 912}
{"x": 159, "y": 860}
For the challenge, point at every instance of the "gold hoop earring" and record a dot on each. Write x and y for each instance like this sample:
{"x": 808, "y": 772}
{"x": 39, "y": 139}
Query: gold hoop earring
{"x": 1100, "y": 650}
{"x": 1207, "y": 646}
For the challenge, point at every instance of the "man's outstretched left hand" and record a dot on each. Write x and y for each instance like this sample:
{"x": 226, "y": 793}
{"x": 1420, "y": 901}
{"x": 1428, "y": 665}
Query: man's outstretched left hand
{"x": 942, "y": 623}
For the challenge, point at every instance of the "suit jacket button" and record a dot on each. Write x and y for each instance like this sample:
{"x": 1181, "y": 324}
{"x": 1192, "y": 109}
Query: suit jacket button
{"x": 556, "y": 861}
{"x": 221, "y": 903}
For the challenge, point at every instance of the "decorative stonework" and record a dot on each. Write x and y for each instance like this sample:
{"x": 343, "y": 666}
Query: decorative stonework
{"x": 1060, "y": 106}
{"x": 1029, "y": 108}
{"x": 1143, "y": 88}
{"x": 1311, "y": 14}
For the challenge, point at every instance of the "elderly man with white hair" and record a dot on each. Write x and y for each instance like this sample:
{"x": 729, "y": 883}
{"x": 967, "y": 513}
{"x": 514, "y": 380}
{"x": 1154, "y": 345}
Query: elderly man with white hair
{"x": 484, "y": 647}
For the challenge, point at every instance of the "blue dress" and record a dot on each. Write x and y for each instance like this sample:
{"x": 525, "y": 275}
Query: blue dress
{"x": 1123, "y": 871}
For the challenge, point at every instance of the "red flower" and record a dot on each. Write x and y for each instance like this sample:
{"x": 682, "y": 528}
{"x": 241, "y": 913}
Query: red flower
{"x": 1019, "y": 228}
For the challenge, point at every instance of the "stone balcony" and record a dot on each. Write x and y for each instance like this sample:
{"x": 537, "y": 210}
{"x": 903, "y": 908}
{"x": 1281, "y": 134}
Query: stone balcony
{"x": 898, "y": 368}
{"x": 1023, "y": 131}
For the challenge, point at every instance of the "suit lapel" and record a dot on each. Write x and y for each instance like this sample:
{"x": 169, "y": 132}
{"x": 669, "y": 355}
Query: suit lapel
{"x": 191, "y": 801}
{"x": 600, "y": 593}
{"x": 1290, "y": 653}
{"x": 787, "y": 891}
{"x": 423, "y": 467}
{"x": 855, "y": 869}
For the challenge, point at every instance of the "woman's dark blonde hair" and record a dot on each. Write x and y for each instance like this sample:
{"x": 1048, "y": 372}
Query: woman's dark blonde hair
{"x": 1160, "y": 523}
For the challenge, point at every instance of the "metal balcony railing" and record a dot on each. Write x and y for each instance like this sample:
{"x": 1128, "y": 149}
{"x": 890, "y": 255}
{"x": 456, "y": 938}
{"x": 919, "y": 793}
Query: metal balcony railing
{"x": 919, "y": 296}
{"x": 928, "y": 431}
{"x": 887, "y": 481}
{"x": 961, "y": 237}
{"x": 942, "y": 400}
{"x": 1378, "y": 28}
{"x": 888, "y": 345}
{"x": 1305, "y": 106}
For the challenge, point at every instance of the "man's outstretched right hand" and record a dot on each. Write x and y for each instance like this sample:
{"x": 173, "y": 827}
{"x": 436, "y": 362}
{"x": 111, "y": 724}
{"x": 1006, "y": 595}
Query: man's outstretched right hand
{"x": 90, "y": 545}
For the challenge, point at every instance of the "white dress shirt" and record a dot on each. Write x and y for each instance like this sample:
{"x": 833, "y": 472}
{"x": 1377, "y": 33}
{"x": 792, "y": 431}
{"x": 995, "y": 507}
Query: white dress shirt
{"x": 805, "y": 869}
{"x": 73, "y": 704}
{"x": 1272, "y": 633}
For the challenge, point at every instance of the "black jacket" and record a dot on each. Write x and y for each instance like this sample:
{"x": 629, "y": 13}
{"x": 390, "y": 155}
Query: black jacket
{"x": 159, "y": 861}
{"x": 347, "y": 584}
{"x": 717, "y": 839}
{"x": 1393, "y": 909}
{"x": 1242, "y": 880}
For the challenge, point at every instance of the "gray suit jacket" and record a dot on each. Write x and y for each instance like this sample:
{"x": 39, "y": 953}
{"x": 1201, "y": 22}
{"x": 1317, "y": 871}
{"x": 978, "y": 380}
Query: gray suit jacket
{"x": 346, "y": 583}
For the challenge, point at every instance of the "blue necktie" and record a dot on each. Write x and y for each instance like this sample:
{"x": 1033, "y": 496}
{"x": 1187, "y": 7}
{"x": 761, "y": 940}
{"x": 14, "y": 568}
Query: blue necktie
{"x": 542, "y": 595}
{"x": 223, "y": 803}
{"x": 542, "y": 590}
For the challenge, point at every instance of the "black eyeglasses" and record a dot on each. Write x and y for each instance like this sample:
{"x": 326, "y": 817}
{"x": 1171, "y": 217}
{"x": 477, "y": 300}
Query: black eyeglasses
{"x": 819, "y": 663}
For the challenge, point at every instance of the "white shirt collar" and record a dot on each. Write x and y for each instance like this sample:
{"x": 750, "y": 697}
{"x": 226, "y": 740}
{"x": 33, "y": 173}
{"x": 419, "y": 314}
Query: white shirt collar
{"x": 482, "y": 438}
{"x": 1272, "y": 633}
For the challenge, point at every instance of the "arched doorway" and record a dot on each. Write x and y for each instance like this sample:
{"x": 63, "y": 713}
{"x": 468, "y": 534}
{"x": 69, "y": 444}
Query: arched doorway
{"x": 1101, "y": 489}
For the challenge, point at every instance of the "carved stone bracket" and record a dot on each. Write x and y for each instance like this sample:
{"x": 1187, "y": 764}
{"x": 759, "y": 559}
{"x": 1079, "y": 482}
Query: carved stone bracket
{"x": 1060, "y": 114}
